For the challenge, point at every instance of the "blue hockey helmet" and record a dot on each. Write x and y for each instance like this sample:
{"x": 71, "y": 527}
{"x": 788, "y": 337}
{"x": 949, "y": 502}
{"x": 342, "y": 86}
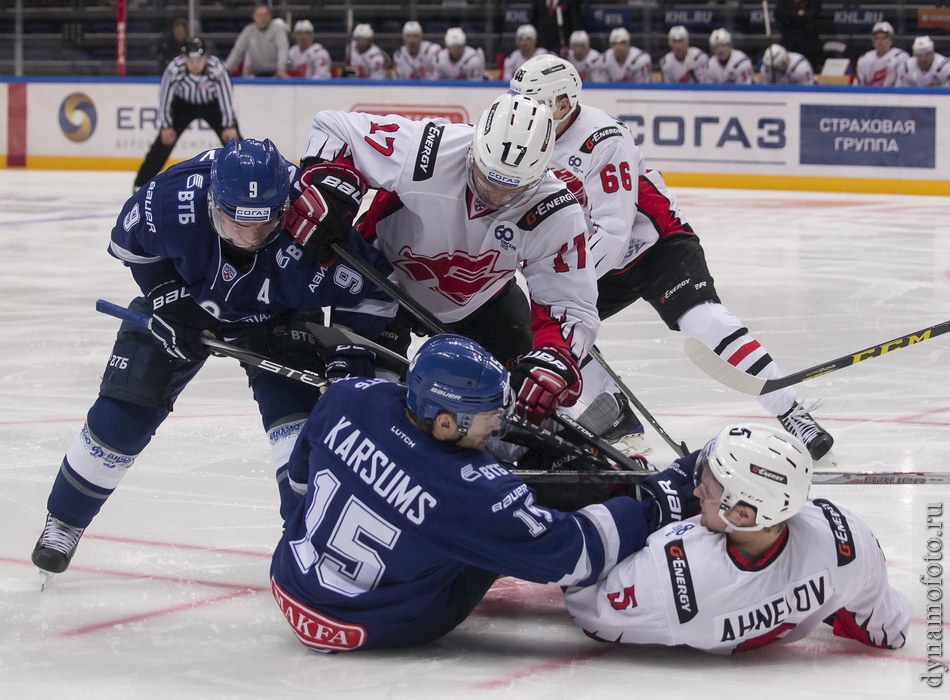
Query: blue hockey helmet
{"x": 452, "y": 373}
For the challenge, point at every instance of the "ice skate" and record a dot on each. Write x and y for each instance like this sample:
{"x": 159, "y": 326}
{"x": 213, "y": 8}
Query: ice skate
{"x": 55, "y": 548}
{"x": 798, "y": 421}
{"x": 626, "y": 433}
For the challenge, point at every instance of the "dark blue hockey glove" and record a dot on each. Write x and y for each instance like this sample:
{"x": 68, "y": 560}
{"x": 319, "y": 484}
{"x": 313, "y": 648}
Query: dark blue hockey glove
{"x": 344, "y": 361}
{"x": 671, "y": 492}
{"x": 178, "y": 321}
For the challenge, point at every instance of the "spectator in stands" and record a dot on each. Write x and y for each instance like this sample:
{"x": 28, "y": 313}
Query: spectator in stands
{"x": 623, "y": 63}
{"x": 780, "y": 66}
{"x": 555, "y": 21}
{"x": 925, "y": 68}
{"x": 684, "y": 63}
{"x": 581, "y": 55}
{"x": 415, "y": 59}
{"x": 306, "y": 58}
{"x": 169, "y": 46}
{"x": 527, "y": 39}
{"x": 364, "y": 59}
{"x": 457, "y": 61}
{"x": 195, "y": 85}
{"x": 880, "y": 65}
{"x": 264, "y": 43}
{"x": 798, "y": 22}
{"x": 728, "y": 65}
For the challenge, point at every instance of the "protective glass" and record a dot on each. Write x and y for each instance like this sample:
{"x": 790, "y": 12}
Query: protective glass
{"x": 495, "y": 195}
{"x": 249, "y": 236}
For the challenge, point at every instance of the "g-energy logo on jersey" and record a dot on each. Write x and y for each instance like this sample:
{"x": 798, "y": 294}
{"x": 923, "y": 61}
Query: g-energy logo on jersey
{"x": 591, "y": 141}
{"x": 684, "y": 597}
{"x": 844, "y": 540}
{"x": 428, "y": 149}
{"x": 533, "y": 217}
{"x": 768, "y": 474}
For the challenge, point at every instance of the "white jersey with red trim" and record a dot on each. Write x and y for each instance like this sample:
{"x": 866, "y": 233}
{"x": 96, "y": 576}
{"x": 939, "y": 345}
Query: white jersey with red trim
{"x": 798, "y": 72}
{"x": 637, "y": 67}
{"x": 470, "y": 66}
{"x": 586, "y": 66}
{"x": 737, "y": 69}
{"x": 911, "y": 74}
{"x": 312, "y": 62}
{"x": 601, "y": 164}
{"x": 515, "y": 59}
{"x": 450, "y": 252}
{"x": 371, "y": 63}
{"x": 872, "y": 69}
{"x": 688, "y": 586}
{"x": 418, "y": 67}
{"x": 692, "y": 69}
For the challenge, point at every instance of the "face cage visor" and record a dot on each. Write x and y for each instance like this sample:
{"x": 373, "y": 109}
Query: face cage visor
{"x": 495, "y": 195}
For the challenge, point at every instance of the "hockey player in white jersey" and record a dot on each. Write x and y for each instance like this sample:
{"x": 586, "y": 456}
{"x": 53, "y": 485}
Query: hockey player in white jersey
{"x": 925, "y": 68}
{"x": 415, "y": 59}
{"x": 783, "y": 67}
{"x": 526, "y": 36}
{"x": 880, "y": 65}
{"x": 684, "y": 63}
{"x": 364, "y": 59}
{"x": 761, "y": 564}
{"x": 463, "y": 208}
{"x": 581, "y": 55}
{"x": 727, "y": 64}
{"x": 307, "y": 58}
{"x": 458, "y": 61}
{"x": 623, "y": 63}
{"x": 643, "y": 247}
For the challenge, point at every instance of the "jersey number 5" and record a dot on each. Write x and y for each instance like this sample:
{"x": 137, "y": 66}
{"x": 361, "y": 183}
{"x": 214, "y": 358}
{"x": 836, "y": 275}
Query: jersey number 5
{"x": 348, "y": 565}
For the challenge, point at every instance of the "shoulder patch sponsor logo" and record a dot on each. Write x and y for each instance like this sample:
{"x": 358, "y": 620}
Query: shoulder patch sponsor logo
{"x": 534, "y": 216}
{"x": 684, "y": 597}
{"x": 132, "y": 218}
{"x": 428, "y": 150}
{"x": 591, "y": 141}
{"x": 844, "y": 540}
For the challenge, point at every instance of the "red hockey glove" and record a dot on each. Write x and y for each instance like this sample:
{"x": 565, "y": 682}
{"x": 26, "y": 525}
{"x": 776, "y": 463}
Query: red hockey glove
{"x": 545, "y": 379}
{"x": 324, "y": 212}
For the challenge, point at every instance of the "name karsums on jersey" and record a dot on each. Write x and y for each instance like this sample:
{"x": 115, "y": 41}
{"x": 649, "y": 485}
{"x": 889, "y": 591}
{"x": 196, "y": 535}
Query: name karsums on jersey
{"x": 790, "y": 607}
{"x": 378, "y": 470}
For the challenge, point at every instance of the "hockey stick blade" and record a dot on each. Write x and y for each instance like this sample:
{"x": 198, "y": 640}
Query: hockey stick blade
{"x": 867, "y": 478}
{"x": 719, "y": 369}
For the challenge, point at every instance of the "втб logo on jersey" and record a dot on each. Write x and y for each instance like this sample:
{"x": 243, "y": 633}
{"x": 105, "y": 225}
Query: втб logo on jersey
{"x": 457, "y": 276}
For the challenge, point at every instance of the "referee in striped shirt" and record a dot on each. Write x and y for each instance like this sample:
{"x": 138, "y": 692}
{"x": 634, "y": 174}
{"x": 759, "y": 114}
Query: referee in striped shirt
{"x": 194, "y": 85}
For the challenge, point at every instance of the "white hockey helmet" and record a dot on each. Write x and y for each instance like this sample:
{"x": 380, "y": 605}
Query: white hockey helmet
{"x": 677, "y": 33}
{"x": 922, "y": 44}
{"x": 511, "y": 149}
{"x": 775, "y": 57}
{"x": 363, "y": 31}
{"x": 454, "y": 36}
{"x": 720, "y": 37}
{"x": 579, "y": 38}
{"x": 547, "y": 78}
{"x": 883, "y": 28}
{"x": 526, "y": 31}
{"x": 412, "y": 28}
{"x": 761, "y": 466}
{"x": 303, "y": 26}
{"x": 619, "y": 35}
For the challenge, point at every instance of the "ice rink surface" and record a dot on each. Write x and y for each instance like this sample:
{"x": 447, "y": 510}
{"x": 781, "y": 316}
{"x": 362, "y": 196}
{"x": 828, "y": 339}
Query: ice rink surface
{"x": 167, "y": 596}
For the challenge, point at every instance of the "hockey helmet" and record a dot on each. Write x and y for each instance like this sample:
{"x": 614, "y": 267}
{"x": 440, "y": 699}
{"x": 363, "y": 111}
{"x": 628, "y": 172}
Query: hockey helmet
{"x": 511, "y": 149}
{"x": 579, "y": 38}
{"x": 761, "y": 466}
{"x": 250, "y": 186}
{"x": 547, "y": 78}
{"x": 454, "y": 36}
{"x": 412, "y": 28}
{"x": 363, "y": 31}
{"x": 452, "y": 373}
{"x": 677, "y": 33}
{"x": 775, "y": 57}
{"x": 303, "y": 26}
{"x": 922, "y": 44}
{"x": 883, "y": 28}
{"x": 618, "y": 35}
{"x": 526, "y": 31}
{"x": 720, "y": 37}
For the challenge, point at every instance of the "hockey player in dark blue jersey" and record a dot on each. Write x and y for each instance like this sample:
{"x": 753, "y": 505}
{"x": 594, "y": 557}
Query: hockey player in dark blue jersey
{"x": 206, "y": 245}
{"x": 406, "y": 521}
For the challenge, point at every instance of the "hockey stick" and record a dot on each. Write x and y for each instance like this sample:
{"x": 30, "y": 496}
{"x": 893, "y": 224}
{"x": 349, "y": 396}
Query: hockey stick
{"x": 680, "y": 449}
{"x": 818, "y": 478}
{"x": 734, "y": 378}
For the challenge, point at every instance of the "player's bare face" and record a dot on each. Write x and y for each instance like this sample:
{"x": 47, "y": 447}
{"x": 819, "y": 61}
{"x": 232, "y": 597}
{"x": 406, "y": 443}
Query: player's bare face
{"x": 580, "y": 51}
{"x": 621, "y": 49}
{"x": 679, "y": 47}
{"x": 722, "y": 53}
{"x": 483, "y": 425}
{"x": 925, "y": 60}
{"x": 413, "y": 42}
{"x": 882, "y": 43}
{"x": 196, "y": 65}
{"x": 709, "y": 493}
{"x": 248, "y": 236}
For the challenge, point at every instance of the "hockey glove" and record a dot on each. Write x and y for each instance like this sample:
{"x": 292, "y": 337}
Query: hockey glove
{"x": 671, "y": 492}
{"x": 345, "y": 361}
{"x": 178, "y": 321}
{"x": 324, "y": 212}
{"x": 545, "y": 379}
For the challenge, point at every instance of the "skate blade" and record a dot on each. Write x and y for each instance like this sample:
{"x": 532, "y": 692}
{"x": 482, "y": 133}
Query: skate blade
{"x": 45, "y": 578}
{"x": 829, "y": 461}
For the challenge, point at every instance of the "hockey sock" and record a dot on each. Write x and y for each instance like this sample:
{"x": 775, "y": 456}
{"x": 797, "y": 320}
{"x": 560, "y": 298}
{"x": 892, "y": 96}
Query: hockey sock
{"x": 282, "y": 439}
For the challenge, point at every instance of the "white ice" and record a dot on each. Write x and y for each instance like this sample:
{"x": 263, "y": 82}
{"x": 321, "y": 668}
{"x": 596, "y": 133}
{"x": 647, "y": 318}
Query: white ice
{"x": 168, "y": 593}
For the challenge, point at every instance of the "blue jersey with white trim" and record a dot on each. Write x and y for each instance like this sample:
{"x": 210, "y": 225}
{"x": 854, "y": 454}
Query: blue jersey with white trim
{"x": 165, "y": 229}
{"x": 392, "y": 517}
